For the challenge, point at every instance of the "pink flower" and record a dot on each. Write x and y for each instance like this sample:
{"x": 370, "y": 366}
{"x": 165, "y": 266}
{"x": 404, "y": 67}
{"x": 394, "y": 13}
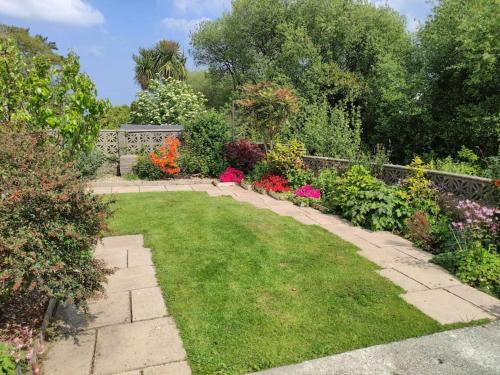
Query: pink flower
{"x": 232, "y": 175}
{"x": 307, "y": 191}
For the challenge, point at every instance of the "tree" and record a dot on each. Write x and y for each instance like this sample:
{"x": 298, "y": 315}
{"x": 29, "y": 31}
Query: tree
{"x": 116, "y": 116}
{"x": 166, "y": 101}
{"x": 268, "y": 106}
{"x": 43, "y": 96}
{"x": 30, "y": 46}
{"x": 164, "y": 60}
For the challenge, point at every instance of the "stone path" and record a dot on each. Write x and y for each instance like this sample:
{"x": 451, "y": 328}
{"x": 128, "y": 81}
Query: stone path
{"x": 129, "y": 331}
{"x": 465, "y": 351}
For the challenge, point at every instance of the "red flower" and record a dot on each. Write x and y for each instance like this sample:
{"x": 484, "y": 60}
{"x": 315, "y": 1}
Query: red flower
{"x": 273, "y": 183}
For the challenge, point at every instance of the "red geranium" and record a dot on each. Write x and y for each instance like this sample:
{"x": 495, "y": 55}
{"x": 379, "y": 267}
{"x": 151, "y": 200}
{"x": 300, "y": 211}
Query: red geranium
{"x": 273, "y": 183}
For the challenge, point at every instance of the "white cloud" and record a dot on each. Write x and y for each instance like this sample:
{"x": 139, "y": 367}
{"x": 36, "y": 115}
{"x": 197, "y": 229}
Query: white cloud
{"x": 201, "y": 6}
{"x": 70, "y": 12}
{"x": 182, "y": 24}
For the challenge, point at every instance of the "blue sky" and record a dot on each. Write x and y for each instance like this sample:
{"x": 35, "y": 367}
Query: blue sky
{"x": 105, "y": 33}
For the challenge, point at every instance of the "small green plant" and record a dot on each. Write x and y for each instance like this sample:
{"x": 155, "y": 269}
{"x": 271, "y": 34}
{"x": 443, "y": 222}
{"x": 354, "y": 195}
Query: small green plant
{"x": 89, "y": 163}
{"x": 285, "y": 157}
{"x": 146, "y": 170}
{"x": 7, "y": 362}
{"x": 299, "y": 177}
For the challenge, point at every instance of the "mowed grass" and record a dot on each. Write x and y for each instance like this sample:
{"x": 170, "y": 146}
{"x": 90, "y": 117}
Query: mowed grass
{"x": 250, "y": 289}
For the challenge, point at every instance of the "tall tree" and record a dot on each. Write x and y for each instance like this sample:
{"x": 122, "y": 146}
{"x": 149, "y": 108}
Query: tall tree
{"x": 163, "y": 60}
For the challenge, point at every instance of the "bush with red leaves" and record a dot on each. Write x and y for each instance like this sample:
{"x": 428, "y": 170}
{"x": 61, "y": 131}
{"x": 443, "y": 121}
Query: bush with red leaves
{"x": 243, "y": 154}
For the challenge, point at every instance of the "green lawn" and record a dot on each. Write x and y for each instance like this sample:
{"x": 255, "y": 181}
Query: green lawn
{"x": 251, "y": 290}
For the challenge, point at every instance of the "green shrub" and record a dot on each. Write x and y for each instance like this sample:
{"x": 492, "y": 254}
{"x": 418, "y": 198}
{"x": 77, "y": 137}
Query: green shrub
{"x": 475, "y": 265}
{"x": 49, "y": 224}
{"x": 89, "y": 163}
{"x": 368, "y": 202}
{"x": 7, "y": 362}
{"x": 299, "y": 177}
{"x": 204, "y": 140}
{"x": 116, "y": 116}
{"x": 285, "y": 157}
{"x": 146, "y": 170}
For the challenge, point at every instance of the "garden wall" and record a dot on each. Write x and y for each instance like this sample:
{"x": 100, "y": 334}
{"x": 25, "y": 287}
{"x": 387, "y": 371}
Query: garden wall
{"x": 468, "y": 187}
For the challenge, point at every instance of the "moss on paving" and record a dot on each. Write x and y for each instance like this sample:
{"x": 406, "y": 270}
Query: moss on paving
{"x": 250, "y": 289}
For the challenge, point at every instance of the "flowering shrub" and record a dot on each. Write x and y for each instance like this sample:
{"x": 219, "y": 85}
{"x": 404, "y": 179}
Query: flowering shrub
{"x": 243, "y": 154}
{"x": 232, "y": 175}
{"x": 478, "y": 222}
{"x": 165, "y": 158}
{"x": 307, "y": 191}
{"x": 285, "y": 157}
{"x": 273, "y": 183}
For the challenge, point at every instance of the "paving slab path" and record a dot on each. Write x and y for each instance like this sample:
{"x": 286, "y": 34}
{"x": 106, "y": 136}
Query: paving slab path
{"x": 131, "y": 332}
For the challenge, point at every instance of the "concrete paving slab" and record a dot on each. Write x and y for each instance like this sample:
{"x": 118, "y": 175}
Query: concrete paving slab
{"x": 409, "y": 285}
{"x": 100, "y": 190}
{"x": 70, "y": 355}
{"x": 176, "y": 368}
{"x": 414, "y": 252}
{"x": 384, "y": 238}
{"x": 114, "y": 258}
{"x": 110, "y": 309}
{"x": 127, "y": 347}
{"x": 125, "y": 189}
{"x": 431, "y": 275}
{"x": 445, "y": 307}
{"x": 465, "y": 351}
{"x": 150, "y": 189}
{"x": 478, "y": 298}
{"x": 203, "y": 187}
{"x": 386, "y": 257}
{"x": 131, "y": 278}
{"x": 178, "y": 187}
{"x": 139, "y": 257}
{"x": 123, "y": 241}
{"x": 148, "y": 304}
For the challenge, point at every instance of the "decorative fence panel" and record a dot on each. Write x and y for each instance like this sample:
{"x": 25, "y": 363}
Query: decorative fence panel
{"x": 468, "y": 187}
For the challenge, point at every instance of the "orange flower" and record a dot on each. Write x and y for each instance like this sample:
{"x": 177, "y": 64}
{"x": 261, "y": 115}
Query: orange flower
{"x": 165, "y": 158}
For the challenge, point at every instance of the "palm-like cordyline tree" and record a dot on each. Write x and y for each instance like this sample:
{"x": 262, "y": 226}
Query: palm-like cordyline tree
{"x": 163, "y": 60}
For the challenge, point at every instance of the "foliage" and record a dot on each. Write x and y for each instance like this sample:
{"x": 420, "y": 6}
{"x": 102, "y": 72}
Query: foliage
{"x": 232, "y": 175}
{"x": 117, "y": 115}
{"x": 49, "y": 223}
{"x": 165, "y": 158}
{"x": 217, "y": 90}
{"x": 30, "y": 46}
{"x": 243, "y": 154}
{"x": 298, "y": 177}
{"x": 146, "y": 170}
{"x": 7, "y": 362}
{"x": 163, "y": 60}
{"x": 308, "y": 191}
{"x": 368, "y": 202}
{"x": 166, "y": 101}
{"x": 475, "y": 265}
{"x": 477, "y": 222}
{"x": 267, "y": 107}
{"x": 87, "y": 164}
{"x": 285, "y": 157}
{"x": 466, "y": 162}
{"x": 261, "y": 169}
{"x": 43, "y": 96}
{"x": 274, "y": 271}
{"x": 205, "y": 138}
{"x": 274, "y": 183}
{"x": 418, "y": 192}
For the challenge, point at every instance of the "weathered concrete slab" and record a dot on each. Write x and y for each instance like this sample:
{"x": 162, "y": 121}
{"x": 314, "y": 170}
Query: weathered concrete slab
{"x": 148, "y": 304}
{"x": 409, "y": 285}
{"x": 414, "y": 252}
{"x": 147, "y": 343}
{"x": 111, "y": 309}
{"x": 131, "y": 278}
{"x": 139, "y": 257}
{"x": 386, "y": 257}
{"x": 178, "y": 187}
{"x": 114, "y": 257}
{"x": 176, "y": 368}
{"x": 123, "y": 241}
{"x": 125, "y": 189}
{"x": 100, "y": 190}
{"x": 465, "y": 351}
{"x": 431, "y": 275}
{"x": 384, "y": 238}
{"x": 150, "y": 189}
{"x": 70, "y": 355}
{"x": 478, "y": 298}
{"x": 445, "y": 307}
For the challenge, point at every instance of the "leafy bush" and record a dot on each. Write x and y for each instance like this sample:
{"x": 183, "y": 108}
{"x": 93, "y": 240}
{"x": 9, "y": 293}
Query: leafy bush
{"x": 89, "y": 163}
{"x": 146, "y": 170}
{"x": 7, "y": 361}
{"x": 243, "y": 154}
{"x": 166, "y": 101}
{"x": 299, "y": 177}
{"x": 432, "y": 234}
{"x": 368, "y": 202}
{"x": 285, "y": 157}
{"x": 477, "y": 222}
{"x": 205, "y": 137}
{"x": 467, "y": 162}
{"x": 49, "y": 224}
{"x": 475, "y": 265}
{"x": 260, "y": 170}
{"x": 116, "y": 116}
